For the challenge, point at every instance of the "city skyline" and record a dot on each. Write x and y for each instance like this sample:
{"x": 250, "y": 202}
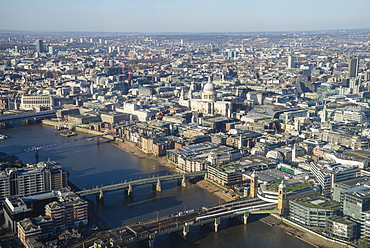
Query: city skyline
{"x": 259, "y": 122}
{"x": 183, "y": 16}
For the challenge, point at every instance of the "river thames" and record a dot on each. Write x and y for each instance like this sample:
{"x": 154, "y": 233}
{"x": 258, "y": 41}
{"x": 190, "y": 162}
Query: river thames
{"x": 90, "y": 165}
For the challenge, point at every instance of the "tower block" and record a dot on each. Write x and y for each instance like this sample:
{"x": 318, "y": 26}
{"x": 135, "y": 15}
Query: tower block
{"x": 282, "y": 200}
{"x": 254, "y": 185}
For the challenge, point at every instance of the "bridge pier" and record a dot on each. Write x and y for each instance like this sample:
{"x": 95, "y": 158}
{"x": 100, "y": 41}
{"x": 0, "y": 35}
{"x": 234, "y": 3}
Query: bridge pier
{"x": 185, "y": 230}
{"x": 216, "y": 223}
{"x": 151, "y": 240}
{"x": 101, "y": 194}
{"x": 100, "y": 197}
{"x": 184, "y": 182}
{"x": 245, "y": 218}
{"x": 158, "y": 186}
{"x": 128, "y": 192}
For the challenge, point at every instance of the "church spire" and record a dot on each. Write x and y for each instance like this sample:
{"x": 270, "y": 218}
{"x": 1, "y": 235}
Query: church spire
{"x": 324, "y": 114}
{"x": 182, "y": 94}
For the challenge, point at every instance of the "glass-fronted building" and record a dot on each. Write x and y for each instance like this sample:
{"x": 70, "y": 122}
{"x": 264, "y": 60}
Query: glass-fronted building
{"x": 313, "y": 210}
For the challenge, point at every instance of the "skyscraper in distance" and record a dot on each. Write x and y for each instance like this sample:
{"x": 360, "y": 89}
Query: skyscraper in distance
{"x": 39, "y": 46}
{"x": 51, "y": 50}
{"x": 353, "y": 67}
{"x": 291, "y": 62}
{"x": 367, "y": 75}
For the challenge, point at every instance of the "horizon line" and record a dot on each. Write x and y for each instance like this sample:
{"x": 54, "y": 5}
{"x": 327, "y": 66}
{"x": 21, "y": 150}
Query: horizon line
{"x": 185, "y": 32}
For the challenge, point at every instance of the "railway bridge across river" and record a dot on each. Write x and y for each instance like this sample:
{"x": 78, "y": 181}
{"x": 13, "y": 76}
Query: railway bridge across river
{"x": 180, "y": 223}
{"x": 29, "y": 116}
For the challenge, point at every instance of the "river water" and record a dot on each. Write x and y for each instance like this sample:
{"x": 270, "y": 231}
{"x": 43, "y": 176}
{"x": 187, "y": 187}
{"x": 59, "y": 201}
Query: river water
{"x": 90, "y": 164}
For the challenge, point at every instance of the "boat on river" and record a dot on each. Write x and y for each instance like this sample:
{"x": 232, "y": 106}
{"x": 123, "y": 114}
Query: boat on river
{"x": 68, "y": 134}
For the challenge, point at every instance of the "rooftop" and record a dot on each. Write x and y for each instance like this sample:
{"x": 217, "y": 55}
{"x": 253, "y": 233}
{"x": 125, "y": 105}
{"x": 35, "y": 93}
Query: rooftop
{"x": 355, "y": 182}
{"x": 318, "y": 201}
{"x": 342, "y": 220}
{"x": 291, "y": 185}
{"x": 270, "y": 175}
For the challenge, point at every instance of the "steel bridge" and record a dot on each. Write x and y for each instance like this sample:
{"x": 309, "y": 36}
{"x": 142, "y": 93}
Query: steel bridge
{"x": 181, "y": 223}
{"x": 9, "y": 119}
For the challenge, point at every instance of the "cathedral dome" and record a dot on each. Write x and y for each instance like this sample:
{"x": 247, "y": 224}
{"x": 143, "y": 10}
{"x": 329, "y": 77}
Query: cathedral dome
{"x": 209, "y": 93}
{"x": 209, "y": 88}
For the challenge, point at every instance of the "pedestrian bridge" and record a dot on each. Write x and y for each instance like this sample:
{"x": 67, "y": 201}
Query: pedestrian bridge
{"x": 129, "y": 185}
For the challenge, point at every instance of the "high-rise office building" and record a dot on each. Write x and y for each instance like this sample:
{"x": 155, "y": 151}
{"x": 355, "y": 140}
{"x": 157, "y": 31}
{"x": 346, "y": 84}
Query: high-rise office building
{"x": 51, "y": 50}
{"x": 367, "y": 75}
{"x": 353, "y": 67}
{"x": 291, "y": 62}
{"x": 354, "y": 85}
{"x": 231, "y": 54}
{"x": 39, "y": 46}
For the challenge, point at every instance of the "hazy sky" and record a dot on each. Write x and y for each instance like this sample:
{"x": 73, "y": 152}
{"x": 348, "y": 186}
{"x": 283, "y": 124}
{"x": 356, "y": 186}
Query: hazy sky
{"x": 183, "y": 15}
